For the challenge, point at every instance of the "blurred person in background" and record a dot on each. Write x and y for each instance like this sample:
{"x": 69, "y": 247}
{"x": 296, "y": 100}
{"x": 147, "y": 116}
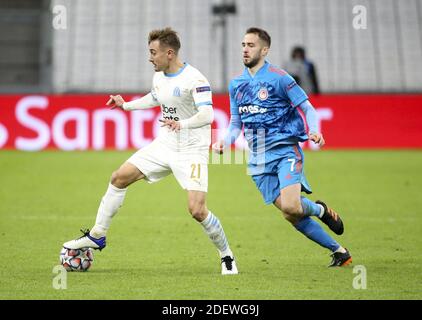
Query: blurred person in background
{"x": 303, "y": 70}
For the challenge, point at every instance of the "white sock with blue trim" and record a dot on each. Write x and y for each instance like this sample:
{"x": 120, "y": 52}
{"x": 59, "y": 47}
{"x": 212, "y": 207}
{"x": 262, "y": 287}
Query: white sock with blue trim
{"x": 110, "y": 203}
{"x": 215, "y": 232}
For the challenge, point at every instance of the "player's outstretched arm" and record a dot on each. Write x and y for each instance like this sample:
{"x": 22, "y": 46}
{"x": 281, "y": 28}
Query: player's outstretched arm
{"x": 145, "y": 102}
{"x": 115, "y": 101}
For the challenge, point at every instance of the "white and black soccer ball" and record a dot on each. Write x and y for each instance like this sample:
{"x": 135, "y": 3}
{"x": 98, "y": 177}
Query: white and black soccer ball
{"x": 76, "y": 259}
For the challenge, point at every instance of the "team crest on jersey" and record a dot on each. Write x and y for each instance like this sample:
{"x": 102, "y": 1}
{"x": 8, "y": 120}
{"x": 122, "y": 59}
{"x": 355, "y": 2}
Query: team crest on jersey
{"x": 176, "y": 92}
{"x": 263, "y": 94}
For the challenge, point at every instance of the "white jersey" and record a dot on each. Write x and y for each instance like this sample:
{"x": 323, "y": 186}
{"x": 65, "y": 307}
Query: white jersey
{"x": 180, "y": 95}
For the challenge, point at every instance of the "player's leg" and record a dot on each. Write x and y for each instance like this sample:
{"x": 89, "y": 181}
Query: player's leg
{"x": 296, "y": 209}
{"x": 191, "y": 171}
{"x": 213, "y": 228}
{"x": 292, "y": 165}
{"x": 324, "y": 213}
{"x": 110, "y": 203}
{"x": 148, "y": 163}
{"x": 290, "y": 205}
{"x": 114, "y": 197}
{"x": 287, "y": 200}
{"x": 211, "y": 224}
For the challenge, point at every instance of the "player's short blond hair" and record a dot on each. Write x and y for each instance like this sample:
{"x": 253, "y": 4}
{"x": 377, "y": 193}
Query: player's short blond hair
{"x": 167, "y": 38}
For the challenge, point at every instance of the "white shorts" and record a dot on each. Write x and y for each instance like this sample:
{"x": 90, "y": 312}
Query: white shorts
{"x": 157, "y": 161}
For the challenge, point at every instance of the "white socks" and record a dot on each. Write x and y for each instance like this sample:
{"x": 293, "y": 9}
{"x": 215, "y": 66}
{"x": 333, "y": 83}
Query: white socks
{"x": 113, "y": 200}
{"x": 215, "y": 232}
{"x": 110, "y": 203}
{"x": 341, "y": 250}
{"x": 321, "y": 212}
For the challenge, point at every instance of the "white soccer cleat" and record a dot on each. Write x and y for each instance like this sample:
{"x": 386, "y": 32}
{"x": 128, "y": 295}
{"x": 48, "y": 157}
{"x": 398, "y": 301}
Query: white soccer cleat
{"x": 86, "y": 241}
{"x": 228, "y": 265}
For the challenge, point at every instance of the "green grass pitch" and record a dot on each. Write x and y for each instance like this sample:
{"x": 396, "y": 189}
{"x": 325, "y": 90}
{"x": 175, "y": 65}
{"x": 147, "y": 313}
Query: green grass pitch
{"x": 157, "y": 251}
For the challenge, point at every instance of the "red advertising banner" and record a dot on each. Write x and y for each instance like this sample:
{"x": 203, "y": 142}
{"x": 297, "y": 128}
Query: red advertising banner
{"x": 82, "y": 122}
{"x": 370, "y": 121}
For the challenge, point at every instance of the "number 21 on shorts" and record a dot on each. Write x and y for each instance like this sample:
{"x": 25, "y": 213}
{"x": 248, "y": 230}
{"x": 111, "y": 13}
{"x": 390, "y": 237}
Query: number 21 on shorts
{"x": 196, "y": 171}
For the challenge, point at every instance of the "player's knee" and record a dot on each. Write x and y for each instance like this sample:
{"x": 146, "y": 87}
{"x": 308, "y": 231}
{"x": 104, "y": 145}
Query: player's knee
{"x": 197, "y": 210}
{"x": 118, "y": 180}
{"x": 291, "y": 210}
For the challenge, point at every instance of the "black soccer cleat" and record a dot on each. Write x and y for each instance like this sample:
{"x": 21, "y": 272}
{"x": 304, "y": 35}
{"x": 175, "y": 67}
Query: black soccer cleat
{"x": 331, "y": 219}
{"x": 340, "y": 259}
{"x": 228, "y": 265}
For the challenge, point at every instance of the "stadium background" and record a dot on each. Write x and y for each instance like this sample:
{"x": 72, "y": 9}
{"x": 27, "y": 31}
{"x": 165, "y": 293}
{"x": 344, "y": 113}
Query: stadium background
{"x": 55, "y": 80}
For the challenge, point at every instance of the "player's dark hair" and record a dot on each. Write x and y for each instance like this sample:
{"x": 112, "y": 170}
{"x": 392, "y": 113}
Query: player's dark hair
{"x": 262, "y": 34}
{"x": 167, "y": 38}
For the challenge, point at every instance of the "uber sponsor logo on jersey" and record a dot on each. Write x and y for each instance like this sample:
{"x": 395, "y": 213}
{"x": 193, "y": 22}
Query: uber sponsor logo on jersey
{"x": 169, "y": 113}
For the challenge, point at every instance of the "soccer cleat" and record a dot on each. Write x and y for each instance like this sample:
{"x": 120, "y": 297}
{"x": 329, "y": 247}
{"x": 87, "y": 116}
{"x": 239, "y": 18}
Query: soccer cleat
{"x": 331, "y": 219}
{"x": 340, "y": 259}
{"x": 86, "y": 241}
{"x": 228, "y": 265}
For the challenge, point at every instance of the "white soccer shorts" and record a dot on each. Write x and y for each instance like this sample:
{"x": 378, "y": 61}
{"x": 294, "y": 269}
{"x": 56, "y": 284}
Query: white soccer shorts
{"x": 157, "y": 161}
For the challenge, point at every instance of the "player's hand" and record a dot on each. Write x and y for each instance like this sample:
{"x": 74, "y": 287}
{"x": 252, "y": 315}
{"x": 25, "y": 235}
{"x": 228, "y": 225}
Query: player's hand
{"x": 173, "y": 125}
{"x": 317, "y": 138}
{"x": 218, "y": 147}
{"x": 115, "y": 102}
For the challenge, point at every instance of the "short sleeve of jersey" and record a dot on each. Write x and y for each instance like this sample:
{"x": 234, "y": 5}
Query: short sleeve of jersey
{"x": 292, "y": 90}
{"x": 201, "y": 92}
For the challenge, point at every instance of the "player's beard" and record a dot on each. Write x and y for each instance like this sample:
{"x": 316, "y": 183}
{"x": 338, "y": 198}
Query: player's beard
{"x": 251, "y": 63}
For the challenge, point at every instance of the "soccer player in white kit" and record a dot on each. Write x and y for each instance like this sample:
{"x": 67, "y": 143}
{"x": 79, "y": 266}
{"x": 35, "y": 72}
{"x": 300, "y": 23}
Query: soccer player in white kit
{"x": 181, "y": 148}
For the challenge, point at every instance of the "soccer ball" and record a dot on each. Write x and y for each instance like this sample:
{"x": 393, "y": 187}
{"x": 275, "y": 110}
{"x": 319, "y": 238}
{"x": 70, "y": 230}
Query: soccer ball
{"x": 76, "y": 259}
